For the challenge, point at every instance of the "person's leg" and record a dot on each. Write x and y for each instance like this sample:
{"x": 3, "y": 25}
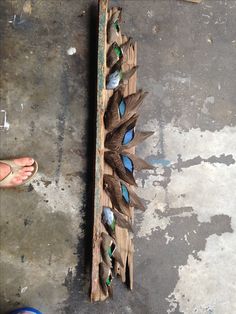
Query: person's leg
{"x": 26, "y": 168}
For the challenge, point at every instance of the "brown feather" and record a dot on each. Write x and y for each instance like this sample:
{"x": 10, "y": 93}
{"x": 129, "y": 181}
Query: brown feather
{"x": 105, "y": 244}
{"x": 114, "y": 160}
{"x": 112, "y": 34}
{"x": 135, "y": 201}
{"x": 133, "y": 102}
{"x": 128, "y": 74}
{"x": 127, "y": 44}
{"x": 112, "y": 56}
{"x": 114, "y": 138}
{"x": 121, "y": 221}
{"x": 111, "y": 117}
{"x": 118, "y": 258}
{"x": 104, "y": 271}
{"x": 138, "y": 138}
{"x": 110, "y": 291}
{"x": 113, "y": 190}
{"x": 139, "y": 163}
{"x": 107, "y": 240}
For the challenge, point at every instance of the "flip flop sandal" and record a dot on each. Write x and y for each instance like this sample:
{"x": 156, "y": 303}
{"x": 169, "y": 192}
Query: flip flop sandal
{"x": 28, "y": 310}
{"x": 14, "y": 172}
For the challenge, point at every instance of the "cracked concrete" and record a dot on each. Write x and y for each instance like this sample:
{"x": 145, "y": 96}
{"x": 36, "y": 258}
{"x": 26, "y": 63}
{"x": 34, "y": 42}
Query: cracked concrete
{"x": 185, "y": 241}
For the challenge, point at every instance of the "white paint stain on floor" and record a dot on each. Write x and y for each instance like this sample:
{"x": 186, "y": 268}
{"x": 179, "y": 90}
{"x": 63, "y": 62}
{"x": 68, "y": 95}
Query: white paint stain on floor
{"x": 206, "y": 285}
{"x": 61, "y": 198}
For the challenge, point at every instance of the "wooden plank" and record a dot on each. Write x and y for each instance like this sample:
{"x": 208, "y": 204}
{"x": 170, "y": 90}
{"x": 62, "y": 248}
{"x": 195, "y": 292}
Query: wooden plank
{"x": 194, "y": 1}
{"x": 96, "y": 293}
{"x": 124, "y": 239}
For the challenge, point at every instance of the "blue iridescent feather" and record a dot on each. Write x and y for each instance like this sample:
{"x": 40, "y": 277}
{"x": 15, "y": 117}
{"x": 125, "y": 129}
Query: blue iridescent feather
{"x": 128, "y": 137}
{"x": 125, "y": 193}
{"x": 108, "y": 216}
{"x": 113, "y": 80}
{"x": 127, "y": 162}
{"x": 122, "y": 108}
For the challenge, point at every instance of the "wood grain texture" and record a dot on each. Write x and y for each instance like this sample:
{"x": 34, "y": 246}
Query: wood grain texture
{"x": 194, "y": 1}
{"x": 96, "y": 293}
{"x": 124, "y": 238}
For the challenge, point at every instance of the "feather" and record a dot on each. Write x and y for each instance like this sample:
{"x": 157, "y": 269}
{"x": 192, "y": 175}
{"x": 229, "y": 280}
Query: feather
{"x": 109, "y": 249}
{"x": 124, "y": 165}
{"x": 105, "y": 277}
{"x": 120, "y": 109}
{"x": 112, "y": 187}
{"x": 111, "y": 218}
{"x": 128, "y": 74}
{"x": 115, "y": 161}
{"x": 135, "y": 201}
{"x": 122, "y": 222}
{"x": 125, "y": 136}
{"x": 118, "y": 258}
{"x": 139, "y": 137}
{"x": 105, "y": 244}
{"x": 122, "y": 197}
{"x": 114, "y": 138}
{"x": 139, "y": 164}
{"x": 113, "y": 26}
{"x": 116, "y": 52}
{"x": 125, "y": 46}
{"x": 113, "y": 80}
{"x": 117, "y": 76}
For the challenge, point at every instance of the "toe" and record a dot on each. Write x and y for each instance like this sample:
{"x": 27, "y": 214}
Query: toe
{"x": 26, "y": 169}
{"x": 24, "y": 161}
{"x": 16, "y": 181}
{"x": 28, "y": 173}
{"x": 24, "y": 177}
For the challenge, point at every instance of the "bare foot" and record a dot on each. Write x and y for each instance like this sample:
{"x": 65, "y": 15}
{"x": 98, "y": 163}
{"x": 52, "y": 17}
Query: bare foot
{"x": 22, "y": 174}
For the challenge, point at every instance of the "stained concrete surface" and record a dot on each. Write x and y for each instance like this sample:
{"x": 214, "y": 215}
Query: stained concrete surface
{"x": 185, "y": 241}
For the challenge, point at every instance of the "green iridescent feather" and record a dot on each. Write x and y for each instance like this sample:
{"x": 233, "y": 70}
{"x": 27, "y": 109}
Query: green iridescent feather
{"x": 118, "y": 51}
{"x": 108, "y": 281}
{"x": 116, "y": 25}
{"x": 109, "y": 252}
{"x": 113, "y": 225}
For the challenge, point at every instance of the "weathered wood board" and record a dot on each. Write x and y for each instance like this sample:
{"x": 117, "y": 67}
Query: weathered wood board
{"x": 124, "y": 238}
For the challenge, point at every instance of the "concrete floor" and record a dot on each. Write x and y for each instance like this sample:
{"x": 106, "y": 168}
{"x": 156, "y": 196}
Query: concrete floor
{"x": 185, "y": 242}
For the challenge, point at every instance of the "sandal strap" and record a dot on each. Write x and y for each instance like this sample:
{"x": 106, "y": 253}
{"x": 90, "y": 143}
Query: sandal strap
{"x": 7, "y": 179}
{"x": 14, "y": 168}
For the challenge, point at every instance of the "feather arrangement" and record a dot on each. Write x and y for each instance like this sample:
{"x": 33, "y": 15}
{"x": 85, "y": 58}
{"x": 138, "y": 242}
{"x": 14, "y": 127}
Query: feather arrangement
{"x": 122, "y": 197}
{"x": 119, "y": 77}
{"x": 116, "y": 52}
{"x": 105, "y": 276}
{"x": 113, "y": 26}
{"x": 124, "y": 165}
{"x": 112, "y": 218}
{"x": 125, "y": 136}
{"x": 120, "y": 135}
{"x": 120, "y": 108}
